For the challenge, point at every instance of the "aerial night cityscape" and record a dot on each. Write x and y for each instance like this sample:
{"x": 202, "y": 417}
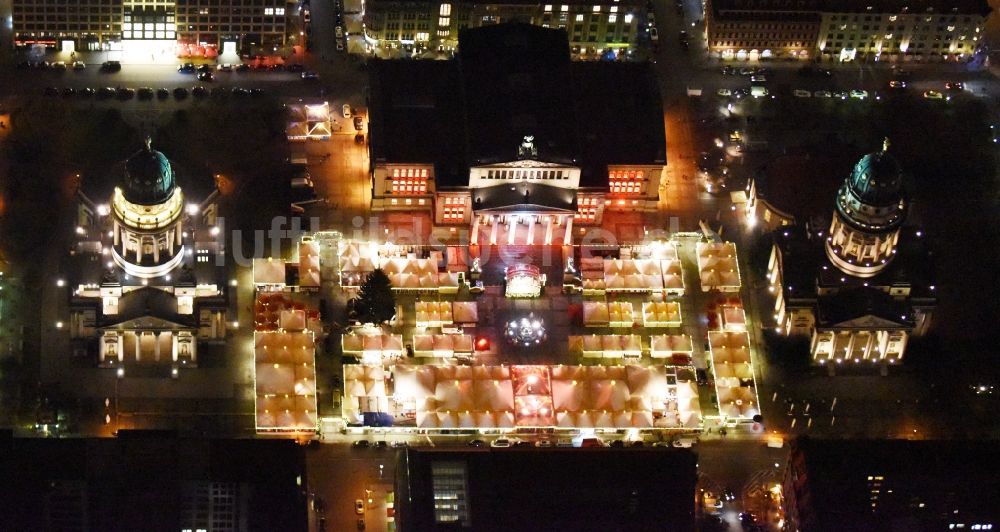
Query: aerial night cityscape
{"x": 627, "y": 265}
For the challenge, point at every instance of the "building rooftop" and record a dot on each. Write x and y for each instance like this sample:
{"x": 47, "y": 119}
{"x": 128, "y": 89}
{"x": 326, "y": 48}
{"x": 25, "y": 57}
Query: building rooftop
{"x": 148, "y": 480}
{"x": 552, "y": 489}
{"x": 977, "y": 7}
{"x": 514, "y": 80}
{"x": 511, "y": 81}
{"x": 148, "y": 178}
{"x": 803, "y": 184}
{"x": 866, "y": 485}
{"x": 515, "y": 195}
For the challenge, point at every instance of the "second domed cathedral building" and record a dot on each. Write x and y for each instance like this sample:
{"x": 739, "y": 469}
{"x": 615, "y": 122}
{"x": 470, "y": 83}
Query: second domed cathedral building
{"x": 861, "y": 286}
{"x": 150, "y": 284}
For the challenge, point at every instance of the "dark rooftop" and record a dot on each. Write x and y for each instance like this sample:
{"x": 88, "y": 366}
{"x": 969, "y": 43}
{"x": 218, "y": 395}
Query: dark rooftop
{"x": 512, "y": 81}
{"x": 980, "y": 7}
{"x": 514, "y": 195}
{"x": 553, "y": 489}
{"x": 515, "y": 78}
{"x": 858, "y": 302}
{"x": 881, "y": 485}
{"x": 148, "y": 480}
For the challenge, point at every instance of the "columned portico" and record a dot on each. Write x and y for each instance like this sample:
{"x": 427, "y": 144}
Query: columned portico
{"x": 523, "y": 229}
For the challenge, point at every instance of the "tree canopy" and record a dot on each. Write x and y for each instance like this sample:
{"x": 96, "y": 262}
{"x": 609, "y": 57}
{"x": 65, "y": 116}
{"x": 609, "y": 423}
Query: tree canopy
{"x": 376, "y": 302}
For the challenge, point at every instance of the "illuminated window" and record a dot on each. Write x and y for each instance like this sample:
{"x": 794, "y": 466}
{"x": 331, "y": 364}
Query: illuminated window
{"x": 268, "y": 10}
{"x": 279, "y": 11}
{"x": 628, "y": 18}
{"x": 409, "y": 181}
{"x": 445, "y": 10}
{"x": 454, "y": 209}
{"x": 625, "y": 182}
{"x": 579, "y": 18}
{"x": 586, "y": 210}
{"x": 612, "y": 19}
{"x": 614, "y": 9}
{"x": 564, "y": 8}
{"x": 597, "y": 9}
{"x": 548, "y": 8}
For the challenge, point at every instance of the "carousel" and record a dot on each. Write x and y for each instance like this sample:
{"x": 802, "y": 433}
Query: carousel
{"x": 526, "y": 332}
{"x": 524, "y": 281}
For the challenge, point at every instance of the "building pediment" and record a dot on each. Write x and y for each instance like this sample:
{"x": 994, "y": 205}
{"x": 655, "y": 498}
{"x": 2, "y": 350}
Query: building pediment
{"x": 868, "y": 321}
{"x": 147, "y": 323}
{"x": 527, "y": 163}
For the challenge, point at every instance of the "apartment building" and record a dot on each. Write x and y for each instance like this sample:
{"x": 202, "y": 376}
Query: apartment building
{"x": 602, "y": 29}
{"x": 846, "y": 30}
{"x": 123, "y": 24}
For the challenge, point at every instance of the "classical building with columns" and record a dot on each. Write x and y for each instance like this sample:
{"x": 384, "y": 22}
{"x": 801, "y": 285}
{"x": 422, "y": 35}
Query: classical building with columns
{"x": 150, "y": 284}
{"x": 514, "y": 139}
{"x": 859, "y": 286}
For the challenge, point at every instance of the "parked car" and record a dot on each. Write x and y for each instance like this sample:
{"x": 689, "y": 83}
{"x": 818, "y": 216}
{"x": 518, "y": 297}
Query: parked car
{"x": 400, "y": 445}
{"x": 543, "y": 443}
{"x": 124, "y": 93}
{"x": 242, "y": 67}
{"x": 218, "y": 92}
{"x": 346, "y": 110}
{"x": 758, "y": 79}
{"x": 105, "y": 93}
{"x": 684, "y": 442}
{"x": 67, "y": 92}
{"x": 146, "y": 93}
{"x": 361, "y": 524}
{"x": 799, "y": 93}
{"x": 199, "y": 92}
{"x": 654, "y": 36}
{"x": 361, "y": 444}
{"x": 617, "y": 444}
{"x": 79, "y": 65}
{"x": 724, "y": 92}
{"x": 500, "y": 443}
{"x": 180, "y": 93}
{"x": 381, "y": 445}
{"x": 859, "y": 94}
{"x": 111, "y": 66}
{"x": 86, "y": 92}
{"x": 205, "y": 68}
{"x": 59, "y": 65}
{"x": 840, "y": 94}
{"x": 476, "y": 443}
{"x": 823, "y": 94}
{"x": 186, "y": 68}
{"x": 162, "y": 93}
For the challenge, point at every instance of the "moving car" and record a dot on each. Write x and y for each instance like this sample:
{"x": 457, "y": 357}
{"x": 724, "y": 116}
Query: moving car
{"x": 758, "y": 92}
{"x": 653, "y": 35}
{"x": 310, "y": 76}
{"x": 476, "y": 443}
{"x": 501, "y": 443}
{"x": 897, "y": 84}
{"x": 933, "y": 95}
{"x": 799, "y": 93}
{"x": 359, "y": 506}
{"x": 346, "y": 110}
{"x": 205, "y": 76}
{"x": 954, "y": 86}
{"x": 758, "y": 79}
{"x": 728, "y": 494}
{"x": 724, "y": 92}
{"x": 859, "y": 94}
{"x": 840, "y": 94}
{"x": 359, "y": 123}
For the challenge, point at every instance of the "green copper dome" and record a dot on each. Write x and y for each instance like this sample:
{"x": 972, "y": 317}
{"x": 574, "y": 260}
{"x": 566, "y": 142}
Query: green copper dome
{"x": 149, "y": 179}
{"x": 877, "y": 179}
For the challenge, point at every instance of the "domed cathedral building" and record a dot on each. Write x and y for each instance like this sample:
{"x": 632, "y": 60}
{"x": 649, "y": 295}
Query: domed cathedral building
{"x": 151, "y": 280}
{"x": 870, "y": 209}
{"x": 860, "y": 287}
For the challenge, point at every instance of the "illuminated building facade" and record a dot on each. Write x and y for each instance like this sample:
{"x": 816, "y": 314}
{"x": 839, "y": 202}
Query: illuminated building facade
{"x": 514, "y": 133}
{"x": 150, "y": 279}
{"x": 593, "y": 28}
{"x": 845, "y": 30}
{"x": 862, "y": 288}
{"x": 149, "y": 25}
